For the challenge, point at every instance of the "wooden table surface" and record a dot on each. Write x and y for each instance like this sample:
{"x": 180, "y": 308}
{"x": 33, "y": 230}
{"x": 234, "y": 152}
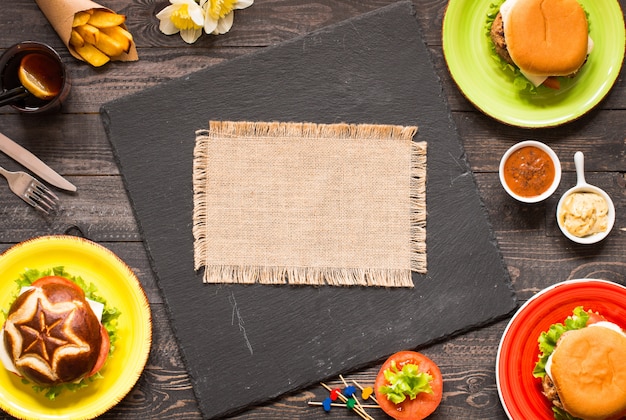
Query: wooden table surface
{"x": 74, "y": 142}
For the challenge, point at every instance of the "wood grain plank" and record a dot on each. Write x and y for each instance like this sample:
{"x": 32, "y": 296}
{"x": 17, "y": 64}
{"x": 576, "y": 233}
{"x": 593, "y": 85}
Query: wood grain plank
{"x": 75, "y": 144}
{"x": 72, "y": 144}
{"x": 100, "y": 208}
{"x": 485, "y": 142}
{"x": 164, "y": 386}
{"x": 270, "y": 22}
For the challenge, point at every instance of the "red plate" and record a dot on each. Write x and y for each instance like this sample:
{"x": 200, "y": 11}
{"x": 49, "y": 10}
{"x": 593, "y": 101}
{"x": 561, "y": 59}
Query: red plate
{"x": 519, "y": 391}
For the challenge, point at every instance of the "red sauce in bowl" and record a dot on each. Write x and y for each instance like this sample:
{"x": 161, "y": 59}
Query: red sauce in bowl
{"x": 529, "y": 171}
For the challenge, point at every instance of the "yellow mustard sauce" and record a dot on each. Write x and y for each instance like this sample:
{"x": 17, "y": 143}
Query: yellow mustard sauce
{"x": 583, "y": 214}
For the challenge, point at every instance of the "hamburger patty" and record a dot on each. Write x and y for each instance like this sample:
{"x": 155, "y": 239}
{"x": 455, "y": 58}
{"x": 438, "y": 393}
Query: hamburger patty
{"x": 549, "y": 390}
{"x": 497, "y": 36}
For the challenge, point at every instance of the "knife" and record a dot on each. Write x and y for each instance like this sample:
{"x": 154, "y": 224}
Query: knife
{"x": 32, "y": 162}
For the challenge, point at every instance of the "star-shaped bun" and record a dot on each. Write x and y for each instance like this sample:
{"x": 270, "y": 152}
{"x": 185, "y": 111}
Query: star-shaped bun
{"x": 52, "y": 334}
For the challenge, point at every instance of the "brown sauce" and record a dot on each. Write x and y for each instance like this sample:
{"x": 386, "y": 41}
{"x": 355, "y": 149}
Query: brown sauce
{"x": 45, "y": 73}
{"x": 10, "y": 77}
{"x": 529, "y": 171}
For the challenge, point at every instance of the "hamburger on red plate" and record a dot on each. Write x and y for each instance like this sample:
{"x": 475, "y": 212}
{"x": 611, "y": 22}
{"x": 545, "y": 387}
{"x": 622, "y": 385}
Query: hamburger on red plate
{"x": 583, "y": 367}
{"x": 544, "y": 39}
{"x": 53, "y": 335}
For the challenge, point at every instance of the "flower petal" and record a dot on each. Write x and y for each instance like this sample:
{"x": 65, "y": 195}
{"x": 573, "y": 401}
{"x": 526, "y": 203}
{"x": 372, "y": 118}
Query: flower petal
{"x": 166, "y": 12}
{"x": 209, "y": 24}
{"x": 197, "y": 15}
{"x": 224, "y": 25}
{"x": 190, "y": 35}
{"x": 242, "y": 4}
{"x": 167, "y": 27}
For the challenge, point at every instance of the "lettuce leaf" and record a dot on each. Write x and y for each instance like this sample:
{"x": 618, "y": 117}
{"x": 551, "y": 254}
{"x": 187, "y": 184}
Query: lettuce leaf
{"x": 520, "y": 82}
{"x": 548, "y": 339}
{"x": 109, "y": 320}
{"x": 408, "y": 382}
{"x": 560, "y": 414}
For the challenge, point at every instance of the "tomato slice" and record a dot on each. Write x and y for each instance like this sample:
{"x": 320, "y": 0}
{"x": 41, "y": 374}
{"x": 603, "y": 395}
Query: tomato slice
{"x": 552, "y": 82}
{"x": 104, "y": 351}
{"x": 424, "y": 404}
{"x": 594, "y": 317}
{"x": 57, "y": 280}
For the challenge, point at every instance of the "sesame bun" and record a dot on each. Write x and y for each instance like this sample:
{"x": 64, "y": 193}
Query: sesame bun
{"x": 589, "y": 373}
{"x": 547, "y": 37}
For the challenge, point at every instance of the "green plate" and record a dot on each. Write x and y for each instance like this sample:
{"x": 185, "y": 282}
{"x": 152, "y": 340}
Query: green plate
{"x": 466, "y": 48}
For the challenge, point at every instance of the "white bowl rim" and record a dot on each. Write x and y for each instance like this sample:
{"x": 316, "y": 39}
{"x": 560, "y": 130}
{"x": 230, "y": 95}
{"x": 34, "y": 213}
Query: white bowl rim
{"x": 557, "y": 171}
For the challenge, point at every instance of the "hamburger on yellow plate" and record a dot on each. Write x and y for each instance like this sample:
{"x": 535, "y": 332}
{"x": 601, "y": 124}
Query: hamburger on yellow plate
{"x": 543, "y": 38}
{"x": 583, "y": 367}
{"x": 54, "y": 335}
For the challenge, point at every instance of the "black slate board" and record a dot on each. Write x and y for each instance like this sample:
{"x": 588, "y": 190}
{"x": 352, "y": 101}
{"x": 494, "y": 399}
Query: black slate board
{"x": 249, "y": 344}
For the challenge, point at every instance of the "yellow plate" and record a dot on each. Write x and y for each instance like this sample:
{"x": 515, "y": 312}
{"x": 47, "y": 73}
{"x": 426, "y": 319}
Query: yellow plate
{"x": 120, "y": 287}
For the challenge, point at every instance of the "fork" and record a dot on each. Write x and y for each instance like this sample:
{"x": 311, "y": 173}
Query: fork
{"x": 31, "y": 190}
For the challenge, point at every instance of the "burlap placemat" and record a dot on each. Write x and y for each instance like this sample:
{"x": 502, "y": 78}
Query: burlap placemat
{"x": 305, "y": 203}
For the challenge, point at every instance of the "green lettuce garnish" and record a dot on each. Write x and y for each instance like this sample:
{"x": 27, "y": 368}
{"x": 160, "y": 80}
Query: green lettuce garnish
{"x": 408, "y": 382}
{"x": 560, "y": 414}
{"x": 109, "y": 320}
{"x": 548, "y": 339}
{"x": 520, "y": 82}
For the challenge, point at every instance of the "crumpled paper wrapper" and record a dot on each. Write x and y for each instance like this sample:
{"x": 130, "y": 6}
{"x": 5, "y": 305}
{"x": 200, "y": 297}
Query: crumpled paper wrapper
{"x": 60, "y": 14}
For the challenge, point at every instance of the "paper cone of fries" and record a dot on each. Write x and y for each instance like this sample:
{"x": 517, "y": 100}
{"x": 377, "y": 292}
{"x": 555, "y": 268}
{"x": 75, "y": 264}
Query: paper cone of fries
{"x": 97, "y": 41}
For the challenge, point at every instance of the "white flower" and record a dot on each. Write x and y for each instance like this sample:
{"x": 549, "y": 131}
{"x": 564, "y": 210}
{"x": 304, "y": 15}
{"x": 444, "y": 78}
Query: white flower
{"x": 219, "y": 14}
{"x": 184, "y": 16}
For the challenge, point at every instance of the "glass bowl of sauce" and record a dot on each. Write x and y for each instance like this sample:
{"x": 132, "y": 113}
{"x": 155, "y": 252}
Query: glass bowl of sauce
{"x": 530, "y": 171}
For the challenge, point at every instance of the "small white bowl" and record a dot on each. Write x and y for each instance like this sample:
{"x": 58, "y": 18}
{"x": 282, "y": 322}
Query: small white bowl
{"x": 583, "y": 186}
{"x": 557, "y": 171}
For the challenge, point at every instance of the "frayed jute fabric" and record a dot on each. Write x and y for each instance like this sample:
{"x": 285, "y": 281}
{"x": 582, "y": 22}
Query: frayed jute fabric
{"x": 309, "y": 204}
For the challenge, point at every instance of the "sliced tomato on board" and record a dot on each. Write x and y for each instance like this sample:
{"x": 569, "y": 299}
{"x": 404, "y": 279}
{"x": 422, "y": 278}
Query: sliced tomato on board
{"x": 424, "y": 403}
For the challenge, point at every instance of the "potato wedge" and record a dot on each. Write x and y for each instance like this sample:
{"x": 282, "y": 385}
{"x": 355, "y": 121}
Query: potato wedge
{"x": 106, "y": 19}
{"x": 89, "y": 33}
{"x": 92, "y": 55}
{"x": 75, "y": 39}
{"x": 109, "y": 45}
{"x": 97, "y": 36}
{"x": 81, "y": 18}
{"x": 121, "y": 35}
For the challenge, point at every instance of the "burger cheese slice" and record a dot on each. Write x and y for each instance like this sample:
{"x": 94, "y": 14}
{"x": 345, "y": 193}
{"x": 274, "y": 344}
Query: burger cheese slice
{"x": 52, "y": 335}
{"x": 584, "y": 374}
{"x": 543, "y": 38}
